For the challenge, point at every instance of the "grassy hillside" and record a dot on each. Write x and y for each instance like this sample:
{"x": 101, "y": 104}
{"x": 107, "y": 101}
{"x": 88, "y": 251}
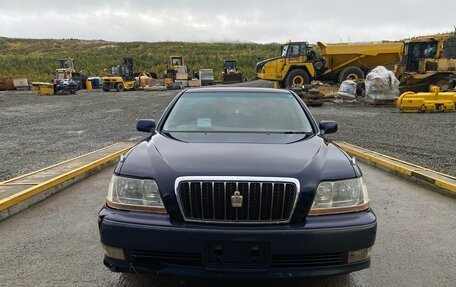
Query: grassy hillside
{"x": 37, "y": 59}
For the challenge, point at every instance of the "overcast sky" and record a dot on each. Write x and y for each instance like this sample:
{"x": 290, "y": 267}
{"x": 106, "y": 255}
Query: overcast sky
{"x": 228, "y": 20}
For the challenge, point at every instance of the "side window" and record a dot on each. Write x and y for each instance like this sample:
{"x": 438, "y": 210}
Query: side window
{"x": 429, "y": 51}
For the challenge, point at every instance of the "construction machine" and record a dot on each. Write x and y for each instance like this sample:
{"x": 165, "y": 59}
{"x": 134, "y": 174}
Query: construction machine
{"x": 66, "y": 80}
{"x": 231, "y": 73}
{"x": 427, "y": 61}
{"x": 301, "y": 62}
{"x": 121, "y": 77}
{"x": 67, "y": 71}
{"x": 176, "y": 72}
{"x": 434, "y": 100}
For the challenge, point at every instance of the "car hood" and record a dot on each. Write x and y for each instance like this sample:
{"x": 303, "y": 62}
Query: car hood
{"x": 161, "y": 154}
{"x": 310, "y": 161}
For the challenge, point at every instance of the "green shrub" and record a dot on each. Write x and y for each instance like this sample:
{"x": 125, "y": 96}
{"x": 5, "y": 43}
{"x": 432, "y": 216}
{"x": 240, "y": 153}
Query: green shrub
{"x": 37, "y": 59}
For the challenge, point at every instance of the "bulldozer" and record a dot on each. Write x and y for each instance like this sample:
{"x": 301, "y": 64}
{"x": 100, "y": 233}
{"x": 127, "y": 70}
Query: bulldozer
{"x": 427, "y": 61}
{"x": 231, "y": 73}
{"x": 121, "y": 77}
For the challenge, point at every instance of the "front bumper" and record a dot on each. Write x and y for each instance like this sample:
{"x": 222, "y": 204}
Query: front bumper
{"x": 317, "y": 248}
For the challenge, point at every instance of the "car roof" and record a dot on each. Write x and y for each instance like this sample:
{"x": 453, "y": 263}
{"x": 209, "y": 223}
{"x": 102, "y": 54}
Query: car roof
{"x": 237, "y": 89}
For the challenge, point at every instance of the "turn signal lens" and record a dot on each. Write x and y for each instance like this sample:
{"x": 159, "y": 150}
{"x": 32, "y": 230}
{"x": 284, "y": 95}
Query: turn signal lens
{"x": 114, "y": 252}
{"x": 359, "y": 255}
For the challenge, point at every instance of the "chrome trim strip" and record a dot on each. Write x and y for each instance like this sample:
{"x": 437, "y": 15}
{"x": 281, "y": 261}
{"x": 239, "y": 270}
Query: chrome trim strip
{"x": 213, "y": 202}
{"x": 272, "y": 202}
{"x": 261, "y": 200}
{"x": 283, "y": 200}
{"x": 249, "y": 198}
{"x": 238, "y": 179}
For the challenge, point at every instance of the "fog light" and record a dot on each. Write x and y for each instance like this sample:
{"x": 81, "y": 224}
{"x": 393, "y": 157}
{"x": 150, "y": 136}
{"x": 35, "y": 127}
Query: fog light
{"x": 359, "y": 255}
{"x": 114, "y": 252}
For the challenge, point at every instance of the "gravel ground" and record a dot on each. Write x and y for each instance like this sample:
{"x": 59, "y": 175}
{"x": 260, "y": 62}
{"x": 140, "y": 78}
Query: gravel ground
{"x": 37, "y": 131}
{"x": 424, "y": 139}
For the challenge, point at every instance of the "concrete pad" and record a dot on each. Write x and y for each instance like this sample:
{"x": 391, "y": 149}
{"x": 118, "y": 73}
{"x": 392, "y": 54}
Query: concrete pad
{"x": 434, "y": 180}
{"x": 19, "y": 193}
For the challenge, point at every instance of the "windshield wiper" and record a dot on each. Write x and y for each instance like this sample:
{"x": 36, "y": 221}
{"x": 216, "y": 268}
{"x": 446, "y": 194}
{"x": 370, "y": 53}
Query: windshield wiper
{"x": 295, "y": 132}
{"x": 240, "y": 132}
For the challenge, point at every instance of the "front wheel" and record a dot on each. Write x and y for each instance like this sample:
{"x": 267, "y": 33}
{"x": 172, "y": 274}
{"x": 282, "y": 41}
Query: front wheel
{"x": 120, "y": 87}
{"x": 106, "y": 87}
{"x": 297, "y": 77}
{"x": 351, "y": 73}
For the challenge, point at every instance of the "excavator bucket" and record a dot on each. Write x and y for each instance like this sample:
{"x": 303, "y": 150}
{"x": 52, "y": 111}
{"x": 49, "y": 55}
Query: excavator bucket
{"x": 432, "y": 101}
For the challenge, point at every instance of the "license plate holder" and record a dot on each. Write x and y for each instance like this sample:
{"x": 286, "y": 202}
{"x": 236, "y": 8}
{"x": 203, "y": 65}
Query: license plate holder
{"x": 240, "y": 256}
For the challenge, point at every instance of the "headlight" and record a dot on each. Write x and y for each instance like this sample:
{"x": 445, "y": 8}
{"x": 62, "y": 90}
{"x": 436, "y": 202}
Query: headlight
{"x": 134, "y": 194}
{"x": 340, "y": 197}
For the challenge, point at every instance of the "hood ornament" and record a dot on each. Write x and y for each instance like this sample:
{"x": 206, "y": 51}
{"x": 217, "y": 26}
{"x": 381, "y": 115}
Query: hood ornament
{"x": 236, "y": 200}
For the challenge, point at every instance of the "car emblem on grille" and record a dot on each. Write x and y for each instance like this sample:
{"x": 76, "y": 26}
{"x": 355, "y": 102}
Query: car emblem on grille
{"x": 236, "y": 200}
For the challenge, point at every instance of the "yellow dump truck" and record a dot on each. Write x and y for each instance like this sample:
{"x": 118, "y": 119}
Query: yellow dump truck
{"x": 300, "y": 62}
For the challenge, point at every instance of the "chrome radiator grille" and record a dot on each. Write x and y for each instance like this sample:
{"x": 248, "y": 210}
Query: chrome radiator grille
{"x": 263, "y": 200}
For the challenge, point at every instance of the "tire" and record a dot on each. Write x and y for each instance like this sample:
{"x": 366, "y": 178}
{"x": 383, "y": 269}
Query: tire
{"x": 353, "y": 71}
{"x": 297, "y": 77}
{"x": 120, "y": 87}
{"x": 106, "y": 87}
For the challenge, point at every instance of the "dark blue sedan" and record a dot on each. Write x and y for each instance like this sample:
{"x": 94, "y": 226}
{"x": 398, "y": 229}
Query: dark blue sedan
{"x": 239, "y": 183}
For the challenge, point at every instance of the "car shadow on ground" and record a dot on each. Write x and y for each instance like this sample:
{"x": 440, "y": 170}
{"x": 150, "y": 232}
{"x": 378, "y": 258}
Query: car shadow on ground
{"x": 133, "y": 280}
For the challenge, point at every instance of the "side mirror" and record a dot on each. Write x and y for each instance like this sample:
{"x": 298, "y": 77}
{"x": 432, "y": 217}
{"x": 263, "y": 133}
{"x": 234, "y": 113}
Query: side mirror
{"x": 328, "y": 127}
{"x": 145, "y": 125}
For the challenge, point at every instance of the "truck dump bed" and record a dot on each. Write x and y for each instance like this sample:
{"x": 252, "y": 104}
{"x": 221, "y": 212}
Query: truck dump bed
{"x": 339, "y": 56}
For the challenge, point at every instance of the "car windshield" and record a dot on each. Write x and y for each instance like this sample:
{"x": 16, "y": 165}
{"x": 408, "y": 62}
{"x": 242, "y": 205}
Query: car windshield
{"x": 237, "y": 112}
